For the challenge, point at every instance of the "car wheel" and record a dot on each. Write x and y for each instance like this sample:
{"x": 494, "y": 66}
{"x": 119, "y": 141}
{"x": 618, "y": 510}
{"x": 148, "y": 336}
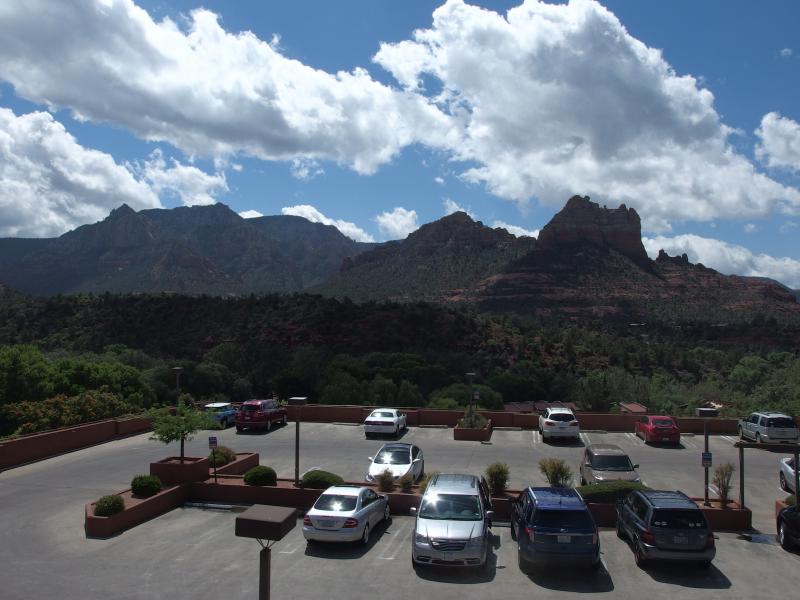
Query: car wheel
{"x": 365, "y": 537}
{"x": 784, "y": 487}
{"x": 238, "y": 429}
{"x": 524, "y": 565}
{"x": 386, "y": 512}
{"x": 741, "y": 433}
{"x": 783, "y": 538}
{"x": 283, "y": 421}
{"x": 641, "y": 561}
{"x": 620, "y": 530}
{"x": 397, "y": 431}
{"x": 513, "y": 532}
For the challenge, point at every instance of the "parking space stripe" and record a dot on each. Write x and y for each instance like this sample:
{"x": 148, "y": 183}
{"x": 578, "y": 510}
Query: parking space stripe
{"x": 585, "y": 438}
{"x": 292, "y": 548}
{"x": 729, "y": 438}
{"x": 396, "y": 544}
{"x": 632, "y": 437}
{"x": 537, "y": 439}
{"x": 687, "y": 443}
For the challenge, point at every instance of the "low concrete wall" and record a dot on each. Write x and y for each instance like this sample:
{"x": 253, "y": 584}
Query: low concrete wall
{"x": 133, "y": 425}
{"x": 473, "y": 435}
{"x": 233, "y": 490}
{"x": 137, "y": 510}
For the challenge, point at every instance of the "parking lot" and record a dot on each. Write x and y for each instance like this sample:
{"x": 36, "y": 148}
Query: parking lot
{"x": 192, "y": 553}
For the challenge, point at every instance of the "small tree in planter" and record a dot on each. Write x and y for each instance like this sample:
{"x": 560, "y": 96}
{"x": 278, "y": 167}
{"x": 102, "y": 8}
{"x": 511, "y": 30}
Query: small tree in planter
{"x": 556, "y": 471}
{"x": 178, "y": 423}
{"x": 723, "y": 475}
{"x": 472, "y": 419}
{"x": 497, "y": 477}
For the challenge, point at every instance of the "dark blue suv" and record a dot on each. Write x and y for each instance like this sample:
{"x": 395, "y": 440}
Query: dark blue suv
{"x": 554, "y": 525}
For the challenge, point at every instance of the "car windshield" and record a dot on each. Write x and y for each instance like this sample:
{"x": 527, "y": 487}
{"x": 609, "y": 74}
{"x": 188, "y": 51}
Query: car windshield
{"x": 679, "y": 519}
{"x": 611, "y": 463}
{"x": 251, "y": 407}
{"x": 561, "y": 417}
{"x": 451, "y": 507}
{"x": 662, "y": 423}
{"x": 336, "y": 502}
{"x": 393, "y": 457}
{"x": 382, "y": 413}
{"x": 785, "y": 422}
{"x": 563, "y": 519}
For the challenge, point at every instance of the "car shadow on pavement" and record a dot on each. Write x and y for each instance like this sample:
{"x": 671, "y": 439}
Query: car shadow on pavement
{"x": 564, "y": 442}
{"x": 689, "y": 576}
{"x": 566, "y": 579}
{"x": 388, "y": 436}
{"x": 348, "y": 550}
{"x": 465, "y": 575}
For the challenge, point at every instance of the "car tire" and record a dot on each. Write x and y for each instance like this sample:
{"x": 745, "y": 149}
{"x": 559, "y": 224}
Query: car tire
{"x": 524, "y": 565}
{"x": 397, "y": 431}
{"x": 283, "y": 421}
{"x": 741, "y": 433}
{"x": 620, "y": 530}
{"x": 386, "y": 513}
{"x": 783, "y": 537}
{"x": 513, "y": 532}
{"x": 784, "y": 487}
{"x": 268, "y": 426}
{"x": 238, "y": 429}
{"x": 365, "y": 536}
{"x": 758, "y": 438}
{"x": 641, "y": 561}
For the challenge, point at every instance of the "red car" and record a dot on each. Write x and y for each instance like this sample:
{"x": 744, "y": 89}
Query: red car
{"x": 658, "y": 428}
{"x": 260, "y": 414}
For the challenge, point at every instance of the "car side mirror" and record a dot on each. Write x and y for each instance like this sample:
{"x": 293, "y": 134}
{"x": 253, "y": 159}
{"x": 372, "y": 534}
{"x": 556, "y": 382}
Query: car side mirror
{"x": 489, "y": 515}
{"x": 413, "y": 510}
{"x": 636, "y": 466}
{"x": 369, "y": 458}
{"x": 416, "y": 460}
{"x": 587, "y": 465}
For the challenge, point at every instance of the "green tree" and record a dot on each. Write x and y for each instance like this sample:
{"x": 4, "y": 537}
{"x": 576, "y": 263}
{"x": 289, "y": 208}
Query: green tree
{"x": 178, "y": 423}
{"x": 382, "y": 391}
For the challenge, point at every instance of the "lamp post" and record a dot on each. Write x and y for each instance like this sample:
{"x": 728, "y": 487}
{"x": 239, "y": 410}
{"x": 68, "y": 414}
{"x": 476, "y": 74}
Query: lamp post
{"x": 470, "y": 378}
{"x": 299, "y": 402}
{"x": 177, "y": 371}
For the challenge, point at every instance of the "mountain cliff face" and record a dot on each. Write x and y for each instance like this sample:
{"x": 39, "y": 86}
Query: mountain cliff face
{"x": 439, "y": 261}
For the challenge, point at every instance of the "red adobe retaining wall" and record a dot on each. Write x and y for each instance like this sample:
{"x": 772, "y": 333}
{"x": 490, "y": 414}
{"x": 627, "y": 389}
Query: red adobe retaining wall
{"x": 133, "y": 425}
{"x": 243, "y": 463}
{"x": 234, "y": 490}
{"x": 172, "y": 471}
{"x": 473, "y": 435}
{"x": 137, "y": 510}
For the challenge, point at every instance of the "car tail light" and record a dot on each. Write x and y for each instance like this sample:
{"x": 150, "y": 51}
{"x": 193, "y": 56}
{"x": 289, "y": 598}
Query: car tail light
{"x": 307, "y": 520}
{"x": 548, "y": 422}
{"x": 530, "y": 533}
{"x": 349, "y": 523}
{"x": 710, "y": 540}
{"x": 647, "y": 537}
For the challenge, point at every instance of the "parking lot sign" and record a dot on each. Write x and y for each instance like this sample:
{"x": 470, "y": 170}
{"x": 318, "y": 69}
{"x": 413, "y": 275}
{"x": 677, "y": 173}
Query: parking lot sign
{"x": 212, "y": 442}
{"x": 706, "y": 459}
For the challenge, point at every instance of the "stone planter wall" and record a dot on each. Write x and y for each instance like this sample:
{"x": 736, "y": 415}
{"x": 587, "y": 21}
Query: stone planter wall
{"x": 243, "y": 463}
{"x": 473, "y": 435}
{"x": 137, "y": 510}
{"x": 731, "y": 518}
{"x": 605, "y": 515}
{"x": 171, "y": 471}
{"x": 133, "y": 426}
{"x": 233, "y": 490}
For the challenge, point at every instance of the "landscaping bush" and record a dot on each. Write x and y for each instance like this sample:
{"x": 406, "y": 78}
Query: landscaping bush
{"x": 608, "y": 492}
{"x": 145, "y": 485}
{"x": 423, "y": 483}
{"x": 791, "y": 500}
{"x": 261, "y": 475}
{"x": 385, "y": 481}
{"x": 723, "y": 474}
{"x": 472, "y": 419}
{"x": 320, "y": 480}
{"x": 221, "y": 456}
{"x": 406, "y": 483}
{"x": 556, "y": 471}
{"x": 497, "y": 478}
{"x": 109, "y": 505}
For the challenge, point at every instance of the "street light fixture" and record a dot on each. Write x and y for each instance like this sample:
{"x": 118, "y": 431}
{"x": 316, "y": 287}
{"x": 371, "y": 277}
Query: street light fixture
{"x": 177, "y": 371}
{"x": 472, "y": 392}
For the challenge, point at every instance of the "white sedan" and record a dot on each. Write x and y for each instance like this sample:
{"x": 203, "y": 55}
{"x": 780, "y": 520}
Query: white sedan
{"x": 345, "y": 513}
{"x": 787, "y": 474}
{"x": 398, "y": 459}
{"x": 385, "y": 420}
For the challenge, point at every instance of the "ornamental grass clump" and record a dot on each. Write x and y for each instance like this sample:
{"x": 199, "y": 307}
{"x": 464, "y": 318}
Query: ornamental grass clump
{"x": 722, "y": 478}
{"x": 385, "y": 481}
{"x": 406, "y": 483}
{"x": 472, "y": 419}
{"x": 221, "y": 456}
{"x": 261, "y": 475}
{"x": 497, "y": 475}
{"x": 145, "y": 486}
{"x": 109, "y": 505}
{"x": 556, "y": 471}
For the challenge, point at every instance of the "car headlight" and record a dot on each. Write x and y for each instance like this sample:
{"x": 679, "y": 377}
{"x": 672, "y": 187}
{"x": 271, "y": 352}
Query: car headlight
{"x": 420, "y": 538}
{"x": 369, "y": 477}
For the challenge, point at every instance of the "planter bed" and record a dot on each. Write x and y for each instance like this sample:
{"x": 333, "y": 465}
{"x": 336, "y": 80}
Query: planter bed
{"x": 473, "y": 435}
{"x": 731, "y": 518}
{"x": 243, "y": 463}
{"x": 137, "y": 510}
{"x": 172, "y": 471}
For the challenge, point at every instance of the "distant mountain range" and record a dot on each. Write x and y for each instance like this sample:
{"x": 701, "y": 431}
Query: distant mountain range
{"x": 588, "y": 262}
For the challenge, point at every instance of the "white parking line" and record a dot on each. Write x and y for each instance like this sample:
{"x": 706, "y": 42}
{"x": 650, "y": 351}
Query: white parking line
{"x": 687, "y": 443}
{"x": 633, "y": 438}
{"x": 393, "y": 547}
{"x": 729, "y": 439}
{"x": 713, "y": 489}
{"x": 537, "y": 438}
{"x": 585, "y": 438}
{"x": 292, "y": 548}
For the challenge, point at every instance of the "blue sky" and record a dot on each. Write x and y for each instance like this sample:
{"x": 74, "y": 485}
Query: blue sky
{"x": 381, "y": 116}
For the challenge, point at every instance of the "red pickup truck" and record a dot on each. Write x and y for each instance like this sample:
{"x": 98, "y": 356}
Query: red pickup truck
{"x": 260, "y": 414}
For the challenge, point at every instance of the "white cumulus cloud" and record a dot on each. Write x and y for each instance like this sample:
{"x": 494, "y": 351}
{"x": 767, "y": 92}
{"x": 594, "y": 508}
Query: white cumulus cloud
{"x": 50, "y": 184}
{"x": 785, "y": 52}
{"x": 779, "y": 144}
{"x": 190, "y": 184}
{"x": 559, "y": 98}
{"x": 309, "y": 212}
{"x": 250, "y": 214}
{"x": 516, "y": 229}
{"x": 726, "y": 258}
{"x": 451, "y": 206}
{"x": 397, "y": 223}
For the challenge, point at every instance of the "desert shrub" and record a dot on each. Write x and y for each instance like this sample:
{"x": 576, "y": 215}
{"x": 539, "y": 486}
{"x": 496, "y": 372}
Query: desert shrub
{"x": 385, "y": 481}
{"x": 109, "y": 505}
{"x": 609, "y": 492}
{"x": 722, "y": 477}
{"x": 145, "y": 485}
{"x": 497, "y": 477}
{"x": 472, "y": 419}
{"x": 221, "y": 456}
{"x": 406, "y": 483}
{"x": 320, "y": 480}
{"x": 556, "y": 471}
{"x": 791, "y": 500}
{"x": 261, "y": 475}
{"x": 423, "y": 483}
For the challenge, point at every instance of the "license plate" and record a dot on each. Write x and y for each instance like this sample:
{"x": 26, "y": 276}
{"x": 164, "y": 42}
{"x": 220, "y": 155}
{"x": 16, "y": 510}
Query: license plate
{"x": 665, "y": 439}
{"x": 564, "y": 539}
{"x": 325, "y": 523}
{"x": 247, "y": 418}
{"x": 679, "y": 539}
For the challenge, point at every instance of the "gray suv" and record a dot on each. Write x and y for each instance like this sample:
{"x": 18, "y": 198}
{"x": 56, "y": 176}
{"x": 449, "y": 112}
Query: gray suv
{"x": 665, "y": 526}
{"x": 453, "y": 521}
{"x": 607, "y": 462}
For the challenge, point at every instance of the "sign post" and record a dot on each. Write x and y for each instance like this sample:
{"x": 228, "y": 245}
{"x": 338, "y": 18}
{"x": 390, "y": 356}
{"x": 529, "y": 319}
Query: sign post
{"x": 706, "y": 459}
{"x": 299, "y": 402}
{"x": 212, "y": 444}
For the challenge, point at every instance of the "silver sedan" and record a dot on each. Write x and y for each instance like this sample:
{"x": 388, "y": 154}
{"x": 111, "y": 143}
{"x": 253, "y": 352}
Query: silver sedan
{"x": 345, "y": 514}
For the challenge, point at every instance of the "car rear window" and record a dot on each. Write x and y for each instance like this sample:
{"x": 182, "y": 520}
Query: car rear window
{"x": 563, "y": 519}
{"x": 561, "y": 417}
{"x": 336, "y": 502}
{"x": 784, "y": 422}
{"x": 663, "y": 423}
{"x": 679, "y": 519}
{"x": 251, "y": 407}
{"x": 382, "y": 413}
{"x": 450, "y": 507}
{"x": 611, "y": 463}
{"x": 393, "y": 457}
